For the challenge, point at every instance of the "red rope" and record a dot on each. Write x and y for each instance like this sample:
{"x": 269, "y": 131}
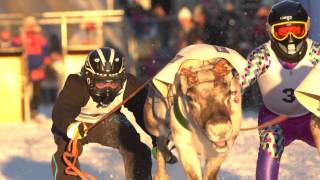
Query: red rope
{"x": 70, "y": 157}
{"x": 277, "y": 120}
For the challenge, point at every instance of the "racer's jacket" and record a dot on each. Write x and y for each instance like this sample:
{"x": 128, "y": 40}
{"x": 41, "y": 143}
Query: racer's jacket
{"x": 74, "y": 103}
{"x": 277, "y": 84}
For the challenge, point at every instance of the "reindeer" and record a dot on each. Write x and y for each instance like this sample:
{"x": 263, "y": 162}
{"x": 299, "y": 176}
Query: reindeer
{"x": 200, "y": 108}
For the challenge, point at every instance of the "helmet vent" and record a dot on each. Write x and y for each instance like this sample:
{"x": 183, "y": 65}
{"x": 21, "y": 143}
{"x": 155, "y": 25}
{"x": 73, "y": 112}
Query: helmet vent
{"x": 108, "y": 66}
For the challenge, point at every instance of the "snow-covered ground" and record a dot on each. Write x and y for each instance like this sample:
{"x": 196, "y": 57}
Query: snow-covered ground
{"x": 26, "y": 149}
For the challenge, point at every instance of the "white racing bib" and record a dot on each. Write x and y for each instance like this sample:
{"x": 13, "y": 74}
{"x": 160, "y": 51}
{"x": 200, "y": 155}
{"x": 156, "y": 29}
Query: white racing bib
{"x": 277, "y": 85}
{"x": 90, "y": 113}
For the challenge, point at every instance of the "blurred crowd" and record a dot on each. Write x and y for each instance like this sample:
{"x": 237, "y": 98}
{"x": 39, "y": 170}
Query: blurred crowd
{"x": 160, "y": 29}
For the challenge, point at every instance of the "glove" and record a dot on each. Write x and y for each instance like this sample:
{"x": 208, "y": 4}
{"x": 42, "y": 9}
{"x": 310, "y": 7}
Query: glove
{"x": 77, "y": 130}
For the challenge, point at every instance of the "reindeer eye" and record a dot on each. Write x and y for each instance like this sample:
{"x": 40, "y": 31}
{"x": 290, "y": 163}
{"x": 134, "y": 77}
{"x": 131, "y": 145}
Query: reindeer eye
{"x": 188, "y": 98}
{"x": 232, "y": 92}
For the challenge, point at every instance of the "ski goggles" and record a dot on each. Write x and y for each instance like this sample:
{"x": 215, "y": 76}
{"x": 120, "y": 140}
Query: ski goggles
{"x": 107, "y": 85}
{"x": 297, "y": 29}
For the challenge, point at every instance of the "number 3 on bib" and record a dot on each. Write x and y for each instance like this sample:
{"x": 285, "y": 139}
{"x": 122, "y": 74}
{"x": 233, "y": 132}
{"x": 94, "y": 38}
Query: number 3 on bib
{"x": 289, "y": 93}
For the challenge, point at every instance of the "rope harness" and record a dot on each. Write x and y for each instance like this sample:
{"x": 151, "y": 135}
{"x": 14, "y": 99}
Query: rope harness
{"x": 70, "y": 157}
{"x": 271, "y": 122}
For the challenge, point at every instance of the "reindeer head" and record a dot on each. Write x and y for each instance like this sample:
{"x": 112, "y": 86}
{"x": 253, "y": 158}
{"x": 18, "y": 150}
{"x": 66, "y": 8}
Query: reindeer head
{"x": 206, "y": 92}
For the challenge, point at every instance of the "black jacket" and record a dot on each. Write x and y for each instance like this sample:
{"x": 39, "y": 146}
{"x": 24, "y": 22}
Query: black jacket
{"x": 75, "y": 95}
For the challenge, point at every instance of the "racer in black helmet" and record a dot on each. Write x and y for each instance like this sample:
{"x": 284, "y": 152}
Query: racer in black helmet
{"x": 85, "y": 98}
{"x": 104, "y": 73}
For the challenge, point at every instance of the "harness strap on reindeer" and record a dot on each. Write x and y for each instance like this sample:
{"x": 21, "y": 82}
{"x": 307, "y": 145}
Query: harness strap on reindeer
{"x": 178, "y": 114}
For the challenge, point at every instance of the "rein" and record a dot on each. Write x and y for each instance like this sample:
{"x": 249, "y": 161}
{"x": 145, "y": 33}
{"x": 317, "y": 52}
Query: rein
{"x": 277, "y": 120}
{"x": 178, "y": 114}
{"x": 70, "y": 156}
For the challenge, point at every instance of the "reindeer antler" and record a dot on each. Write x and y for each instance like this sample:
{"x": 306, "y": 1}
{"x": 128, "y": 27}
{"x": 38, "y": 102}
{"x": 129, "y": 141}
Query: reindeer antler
{"x": 191, "y": 76}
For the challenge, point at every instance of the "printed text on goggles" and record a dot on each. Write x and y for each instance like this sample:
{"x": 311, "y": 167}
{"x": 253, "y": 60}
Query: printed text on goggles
{"x": 281, "y": 31}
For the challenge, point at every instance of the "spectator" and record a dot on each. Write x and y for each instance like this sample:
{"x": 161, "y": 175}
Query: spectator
{"x": 164, "y": 4}
{"x": 36, "y": 53}
{"x": 231, "y": 25}
{"x": 203, "y": 28}
{"x": 162, "y": 24}
{"x": 58, "y": 66}
{"x": 259, "y": 33}
{"x": 87, "y": 34}
{"x": 6, "y": 39}
{"x": 136, "y": 14}
{"x": 183, "y": 32}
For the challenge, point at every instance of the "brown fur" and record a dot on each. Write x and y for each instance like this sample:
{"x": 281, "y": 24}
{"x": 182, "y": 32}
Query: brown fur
{"x": 206, "y": 94}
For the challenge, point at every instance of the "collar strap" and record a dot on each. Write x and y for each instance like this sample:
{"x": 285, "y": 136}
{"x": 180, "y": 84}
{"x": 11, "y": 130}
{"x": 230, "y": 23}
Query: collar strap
{"x": 178, "y": 114}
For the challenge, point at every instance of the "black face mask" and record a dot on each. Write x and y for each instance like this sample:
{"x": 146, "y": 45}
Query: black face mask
{"x": 282, "y": 49}
{"x": 102, "y": 93}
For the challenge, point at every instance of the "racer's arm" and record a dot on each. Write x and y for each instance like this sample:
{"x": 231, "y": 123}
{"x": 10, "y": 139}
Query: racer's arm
{"x": 258, "y": 63}
{"x": 73, "y": 96}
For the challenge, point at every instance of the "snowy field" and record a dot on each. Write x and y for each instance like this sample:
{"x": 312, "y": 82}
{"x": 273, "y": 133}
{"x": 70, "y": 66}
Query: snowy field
{"x": 26, "y": 149}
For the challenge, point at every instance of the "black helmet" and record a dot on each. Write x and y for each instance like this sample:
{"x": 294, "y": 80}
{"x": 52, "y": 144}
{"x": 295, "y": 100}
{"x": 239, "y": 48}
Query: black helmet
{"x": 288, "y": 26}
{"x": 104, "y": 74}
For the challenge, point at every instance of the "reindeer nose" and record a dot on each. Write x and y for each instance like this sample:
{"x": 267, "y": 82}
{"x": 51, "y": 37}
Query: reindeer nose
{"x": 219, "y": 130}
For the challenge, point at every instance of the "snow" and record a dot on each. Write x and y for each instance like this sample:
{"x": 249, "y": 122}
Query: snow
{"x": 26, "y": 151}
